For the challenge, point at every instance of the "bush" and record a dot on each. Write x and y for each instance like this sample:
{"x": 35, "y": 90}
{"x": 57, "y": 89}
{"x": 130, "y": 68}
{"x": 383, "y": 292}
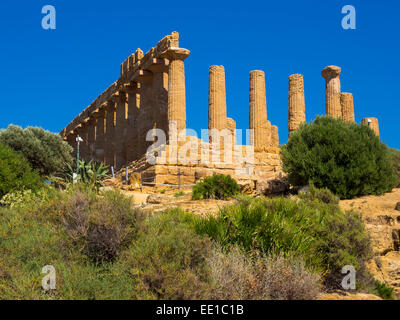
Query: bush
{"x": 324, "y": 236}
{"x": 240, "y": 277}
{"x": 170, "y": 259}
{"x": 396, "y": 163}
{"x": 383, "y": 290}
{"x": 46, "y": 152}
{"x": 324, "y": 195}
{"x": 346, "y": 158}
{"x": 15, "y": 172}
{"x": 33, "y": 236}
{"x": 218, "y": 186}
{"x": 101, "y": 226}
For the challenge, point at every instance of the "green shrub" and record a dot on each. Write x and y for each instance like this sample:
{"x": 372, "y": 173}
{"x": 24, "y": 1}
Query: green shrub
{"x": 324, "y": 236}
{"x": 46, "y": 152}
{"x": 33, "y": 236}
{"x": 90, "y": 173}
{"x": 179, "y": 194}
{"x": 346, "y": 158}
{"x": 170, "y": 259}
{"x": 396, "y": 163}
{"x": 324, "y": 195}
{"x": 15, "y": 172}
{"x": 383, "y": 290}
{"x": 218, "y": 186}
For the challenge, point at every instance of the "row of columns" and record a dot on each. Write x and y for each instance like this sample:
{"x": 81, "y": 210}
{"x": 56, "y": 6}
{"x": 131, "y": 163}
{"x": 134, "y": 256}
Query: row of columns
{"x": 337, "y": 104}
{"x": 263, "y": 134}
{"x": 115, "y": 133}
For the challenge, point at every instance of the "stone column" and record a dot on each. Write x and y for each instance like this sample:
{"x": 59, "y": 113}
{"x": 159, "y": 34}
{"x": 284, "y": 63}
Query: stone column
{"x": 297, "y": 107}
{"x": 216, "y": 98}
{"x": 120, "y": 129}
{"x": 372, "y": 123}
{"x": 132, "y": 125}
{"x": 91, "y": 138}
{"x": 110, "y": 158}
{"x": 100, "y": 130}
{"x": 231, "y": 124}
{"x": 176, "y": 86}
{"x": 274, "y": 136}
{"x": 258, "y": 110}
{"x": 346, "y": 102}
{"x": 332, "y": 91}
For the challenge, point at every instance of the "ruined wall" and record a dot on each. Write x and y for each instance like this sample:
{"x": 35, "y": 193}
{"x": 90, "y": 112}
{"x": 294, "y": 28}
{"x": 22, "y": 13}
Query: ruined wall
{"x": 150, "y": 93}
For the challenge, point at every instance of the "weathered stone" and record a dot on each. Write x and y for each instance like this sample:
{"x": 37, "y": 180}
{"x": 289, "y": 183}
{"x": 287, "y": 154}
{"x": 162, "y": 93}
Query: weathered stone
{"x": 258, "y": 110}
{"x": 274, "y": 136}
{"x": 297, "y": 109}
{"x": 272, "y": 187}
{"x": 331, "y": 75}
{"x": 372, "y": 123}
{"x": 346, "y": 102}
{"x": 217, "y": 98}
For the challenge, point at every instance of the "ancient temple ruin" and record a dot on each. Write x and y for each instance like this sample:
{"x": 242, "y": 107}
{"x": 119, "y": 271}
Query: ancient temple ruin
{"x": 150, "y": 94}
{"x": 119, "y": 127}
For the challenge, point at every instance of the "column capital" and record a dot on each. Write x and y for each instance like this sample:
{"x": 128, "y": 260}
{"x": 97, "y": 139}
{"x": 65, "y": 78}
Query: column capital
{"x": 173, "y": 53}
{"x": 331, "y": 72}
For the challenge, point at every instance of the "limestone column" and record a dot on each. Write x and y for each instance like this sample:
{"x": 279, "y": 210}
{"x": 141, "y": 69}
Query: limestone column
{"x": 91, "y": 138}
{"x": 258, "y": 110}
{"x": 110, "y": 158}
{"x": 372, "y": 123}
{"x": 346, "y": 102}
{"x": 100, "y": 136}
{"x": 120, "y": 129}
{"x": 332, "y": 91}
{"x": 176, "y": 86}
{"x": 216, "y": 98}
{"x": 231, "y": 124}
{"x": 132, "y": 125}
{"x": 297, "y": 108}
{"x": 274, "y": 136}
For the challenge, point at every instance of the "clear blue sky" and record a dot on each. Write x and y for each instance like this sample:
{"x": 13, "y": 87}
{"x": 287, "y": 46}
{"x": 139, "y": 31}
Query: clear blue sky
{"x": 48, "y": 76}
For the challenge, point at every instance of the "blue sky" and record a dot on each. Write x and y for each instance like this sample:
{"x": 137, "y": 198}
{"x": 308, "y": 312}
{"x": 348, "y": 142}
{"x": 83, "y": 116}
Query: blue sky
{"x": 48, "y": 76}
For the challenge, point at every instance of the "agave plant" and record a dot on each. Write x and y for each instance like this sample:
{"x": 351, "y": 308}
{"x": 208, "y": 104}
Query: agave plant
{"x": 87, "y": 172}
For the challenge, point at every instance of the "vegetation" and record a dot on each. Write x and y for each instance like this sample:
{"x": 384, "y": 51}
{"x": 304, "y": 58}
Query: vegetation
{"x": 324, "y": 236}
{"x": 346, "y": 158}
{"x": 101, "y": 248}
{"x": 179, "y": 194}
{"x": 383, "y": 290}
{"x": 396, "y": 163}
{"x": 46, "y": 152}
{"x": 90, "y": 173}
{"x": 15, "y": 172}
{"x": 218, "y": 186}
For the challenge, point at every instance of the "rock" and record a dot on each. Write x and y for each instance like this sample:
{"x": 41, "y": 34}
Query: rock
{"x": 304, "y": 189}
{"x": 157, "y": 199}
{"x": 272, "y": 187}
{"x": 397, "y": 206}
{"x": 246, "y": 186}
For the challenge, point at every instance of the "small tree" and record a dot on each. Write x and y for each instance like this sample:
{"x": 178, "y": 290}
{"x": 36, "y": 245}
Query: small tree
{"x": 218, "y": 186}
{"x": 15, "y": 172}
{"x": 45, "y": 151}
{"x": 346, "y": 158}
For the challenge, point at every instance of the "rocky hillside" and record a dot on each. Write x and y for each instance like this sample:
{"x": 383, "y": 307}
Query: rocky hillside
{"x": 382, "y": 219}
